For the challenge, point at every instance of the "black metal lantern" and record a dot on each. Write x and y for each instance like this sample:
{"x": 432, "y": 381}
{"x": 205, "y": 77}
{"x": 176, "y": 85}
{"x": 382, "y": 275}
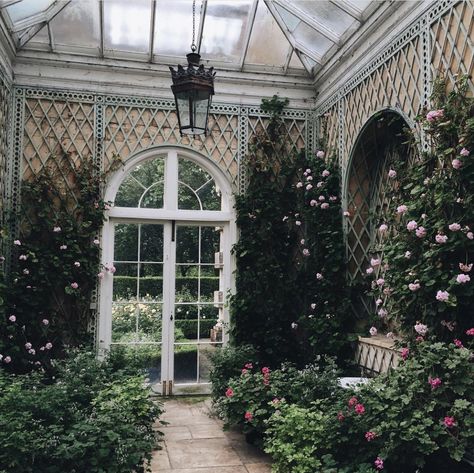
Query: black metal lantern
{"x": 193, "y": 88}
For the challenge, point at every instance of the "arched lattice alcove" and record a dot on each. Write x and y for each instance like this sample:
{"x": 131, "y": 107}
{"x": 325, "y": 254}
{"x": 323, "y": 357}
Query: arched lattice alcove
{"x": 382, "y": 141}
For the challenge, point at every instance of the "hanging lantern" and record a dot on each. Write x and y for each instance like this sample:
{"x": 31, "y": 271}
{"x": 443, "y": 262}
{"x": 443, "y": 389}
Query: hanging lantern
{"x": 193, "y": 88}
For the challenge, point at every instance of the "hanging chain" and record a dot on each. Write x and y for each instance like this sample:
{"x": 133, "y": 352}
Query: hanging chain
{"x": 193, "y": 44}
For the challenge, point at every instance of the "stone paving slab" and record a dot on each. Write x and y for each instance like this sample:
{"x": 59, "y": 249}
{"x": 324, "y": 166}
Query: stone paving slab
{"x": 194, "y": 442}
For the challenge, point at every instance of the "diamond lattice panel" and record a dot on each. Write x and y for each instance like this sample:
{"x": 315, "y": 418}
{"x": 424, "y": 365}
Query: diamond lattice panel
{"x": 295, "y": 130}
{"x": 129, "y": 130}
{"x": 397, "y": 83}
{"x": 53, "y": 127}
{"x": 4, "y": 111}
{"x": 330, "y": 129}
{"x": 452, "y": 39}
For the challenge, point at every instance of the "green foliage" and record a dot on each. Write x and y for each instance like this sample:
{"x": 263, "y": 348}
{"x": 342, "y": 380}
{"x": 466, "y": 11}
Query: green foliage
{"x": 57, "y": 248}
{"x": 88, "y": 418}
{"x": 227, "y": 362}
{"x": 259, "y": 391}
{"x": 438, "y": 192}
{"x": 403, "y": 411}
{"x": 286, "y": 238}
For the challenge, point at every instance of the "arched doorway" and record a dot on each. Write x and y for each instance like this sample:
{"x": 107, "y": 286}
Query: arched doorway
{"x": 166, "y": 246}
{"x": 382, "y": 142}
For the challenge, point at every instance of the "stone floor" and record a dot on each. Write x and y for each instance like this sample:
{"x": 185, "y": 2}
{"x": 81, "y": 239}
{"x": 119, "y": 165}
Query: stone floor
{"x": 195, "y": 442}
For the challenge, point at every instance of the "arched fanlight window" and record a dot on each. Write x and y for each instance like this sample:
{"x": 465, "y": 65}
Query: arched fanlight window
{"x": 148, "y": 185}
{"x": 380, "y": 144}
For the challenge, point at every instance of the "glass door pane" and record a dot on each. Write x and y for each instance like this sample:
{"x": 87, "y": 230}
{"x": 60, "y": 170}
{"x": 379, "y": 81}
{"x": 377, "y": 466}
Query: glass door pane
{"x": 197, "y": 330}
{"x": 137, "y": 306}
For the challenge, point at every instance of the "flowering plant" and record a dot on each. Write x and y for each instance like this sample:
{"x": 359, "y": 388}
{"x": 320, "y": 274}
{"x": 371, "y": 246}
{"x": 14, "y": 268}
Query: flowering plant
{"x": 429, "y": 250}
{"x": 55, "y": 263}
{"x": 290, "y": 286}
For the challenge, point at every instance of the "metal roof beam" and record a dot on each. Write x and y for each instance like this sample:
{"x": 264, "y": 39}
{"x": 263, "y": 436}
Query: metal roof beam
{"x": 152, "y": 30}
{"x": 27, "y": 34}
{"x": 289, "y": 36}
{"x": 42, "y": 17}
{"x": 201, "y": 25}
{"x": 7, "y": 3}
{"x": 348, "y": 8}
{"x": 101, "y": 21}
{"x": 312, "y": 22}
{"x": 288, "y": 59}
{"x": 253, "y": 14}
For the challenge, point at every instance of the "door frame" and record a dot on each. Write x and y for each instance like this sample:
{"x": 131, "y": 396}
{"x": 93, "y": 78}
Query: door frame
{"x": 225, "y": 218}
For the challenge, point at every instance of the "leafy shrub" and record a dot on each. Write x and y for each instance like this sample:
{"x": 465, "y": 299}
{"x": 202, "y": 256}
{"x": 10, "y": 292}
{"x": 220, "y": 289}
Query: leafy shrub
{"x": 420, "y": 416}
{"x": 89, "y": 418}
{"x": 227, "y": 362}
{"x": 251, "y": 398}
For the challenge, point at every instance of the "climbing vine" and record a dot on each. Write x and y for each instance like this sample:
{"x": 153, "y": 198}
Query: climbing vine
{"x": 291, "y": 296}
{"x": 55, "y": 263}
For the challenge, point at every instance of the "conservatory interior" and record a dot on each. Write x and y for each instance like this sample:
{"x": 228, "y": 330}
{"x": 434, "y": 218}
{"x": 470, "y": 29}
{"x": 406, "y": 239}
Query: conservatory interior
{"x": 236, "y": 236}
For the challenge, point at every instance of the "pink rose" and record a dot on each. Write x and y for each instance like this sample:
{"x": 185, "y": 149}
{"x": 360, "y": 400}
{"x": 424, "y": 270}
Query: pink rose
{"x": 17, "y": 242}
{"x": 411, "y": 225}
{"x": 420, "y": 232}
{"x": 378, "y": 463}
{"x": 375, "y": 262}
{"x": 441, "y": 238}
{"x": 421, "y": 329}
{"x": 383, "y": 228}
{"x": 458, "y": 343}
{"x": 340, "y": 416}
{"x": 435, "y": 383}
{"x": 320, "y": 154}
{"x": 28, "y": 346}
{"x": 325, "y": 206}
{"x": 380, "y": 282}
{"x": 434, "y": 115}
{"x": 313, "y": 202}
{"x": 414, "y": 286}
{"x": 464, "y": 152}
{"x": 101, "y": 275}
{"x": 77, "y": 264}
{"x": 299, "y": 185}
{"x": 462, "y": 278}
{"x": 466, "y": 268}
{"x": 306, "y": 252}
{"x": 248, "y": 416}
{"x": 470, "y": 332}
{"x": 321, "y": 198}
{"x": 382, "y": 313}
{"x": 96, "y": 241}
{"x": 347, "y": 214}
{"x": 454, "y": 227}
{"x": 319, "y": 276}
{"x": 392, "y": 174}
{"x": 74, "y": 285}
{"x": 401, "y": 209}
{"x": 373, "y": 331}
{"x": 229, "y": 392}
{"x": 325, "y": 173}
{"x": 359, "y": 409}
{"x": 456, "y": 163}
{"x": 56, "y": 229}
{"x": 404, "y": 352}
{"x": 48, "y": 346}
{"x": 449, "y": 422}
{"x": 7, "y": 359}
{"x": 63, "y": 247}
{"x": 12, "y": 318}
{"x": 352, "y": 401}
{"x": 369, "y": 436}
{"x": 369, "y": 270}
{"x": 45, "y": 322}
{"x": 470, "y": 235}
{"x": 309, "y": 187}
{"x": 442, "y": 296}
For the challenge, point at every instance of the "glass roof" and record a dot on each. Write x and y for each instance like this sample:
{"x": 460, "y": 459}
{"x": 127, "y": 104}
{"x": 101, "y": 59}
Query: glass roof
{"x": 279, "y": 36}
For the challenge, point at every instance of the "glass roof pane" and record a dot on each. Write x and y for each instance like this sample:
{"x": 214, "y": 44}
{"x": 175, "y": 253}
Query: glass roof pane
{"x": 174, "y": 26}
{"x": 311, "y": 39}
{"x": 295, "y": 62}
{"x": 326, "y": 13}
{"x": 41, "y": 37}
{"x": 127, "y": 25}
{"x": 266, "y": 31}
{"x": 224, "y": 29}
{"x": 77, "y": 25}
{"x": 26, "y": 8}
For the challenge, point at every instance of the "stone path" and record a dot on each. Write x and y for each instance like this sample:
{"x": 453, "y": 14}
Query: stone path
{"x": 194, "y": 442}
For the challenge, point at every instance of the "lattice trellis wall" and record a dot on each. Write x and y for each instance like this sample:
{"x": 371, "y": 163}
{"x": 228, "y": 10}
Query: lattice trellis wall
{"x": 48, "y": 122}
{"x": 398, "y": 78}
{"x": 5, "y": 104}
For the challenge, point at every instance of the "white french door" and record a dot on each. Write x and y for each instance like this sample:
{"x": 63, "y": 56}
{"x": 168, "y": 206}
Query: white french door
{"x": 168, "y": 236}
{"x": 167, "y": 313}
